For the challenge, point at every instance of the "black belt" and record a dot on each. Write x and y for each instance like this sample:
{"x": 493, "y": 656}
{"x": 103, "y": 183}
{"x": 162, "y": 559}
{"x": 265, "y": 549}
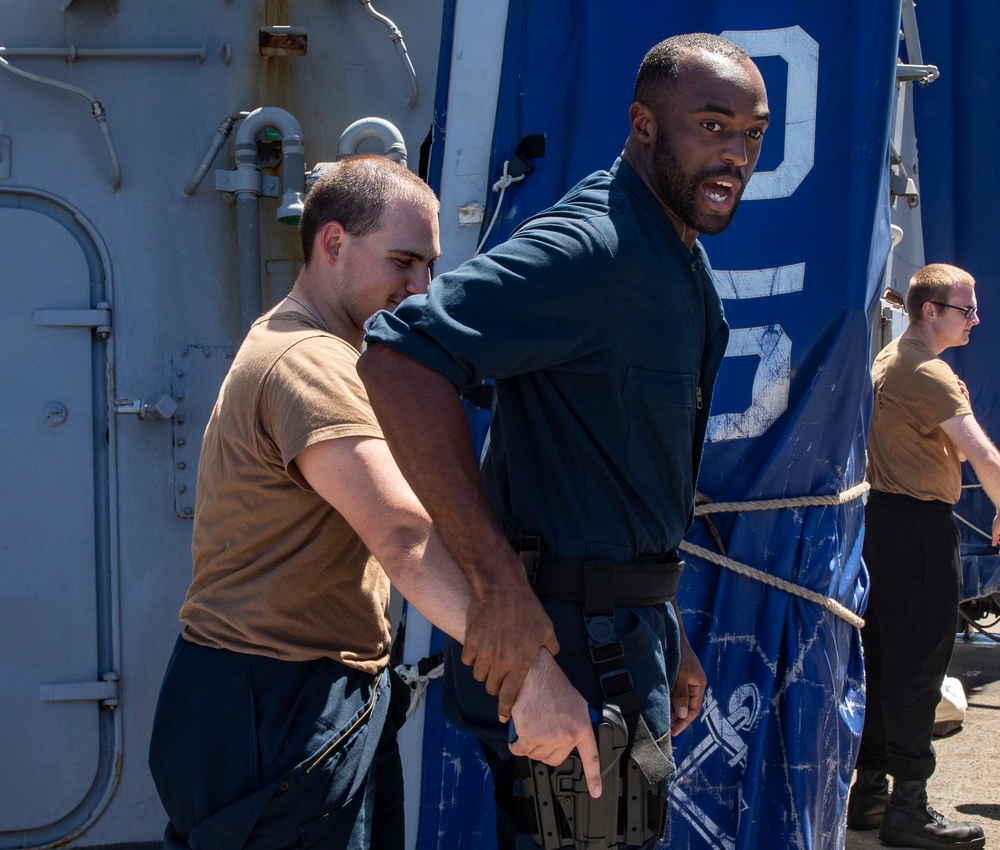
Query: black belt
{"x": 909, "y": 501}
{"x": 600, "y": 585}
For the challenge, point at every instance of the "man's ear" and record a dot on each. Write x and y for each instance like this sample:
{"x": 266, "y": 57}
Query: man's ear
{"x": 329, "y": 241}
{"x": 643, "y": 123}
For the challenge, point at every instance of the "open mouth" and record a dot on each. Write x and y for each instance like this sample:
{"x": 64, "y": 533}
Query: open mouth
{"x": 719, "y": 194}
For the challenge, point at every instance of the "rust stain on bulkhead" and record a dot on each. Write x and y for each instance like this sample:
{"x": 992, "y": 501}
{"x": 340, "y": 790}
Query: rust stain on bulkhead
{"x": 276, "y": 82}
{"x": 275, "y": 78}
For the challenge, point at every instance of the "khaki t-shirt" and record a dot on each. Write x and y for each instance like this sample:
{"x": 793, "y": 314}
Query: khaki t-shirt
{"x": 908, "y": 453}
{"x": 277, "y": 571}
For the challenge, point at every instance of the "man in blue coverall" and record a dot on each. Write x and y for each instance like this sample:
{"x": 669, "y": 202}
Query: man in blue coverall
{"x": 602, "y": 329}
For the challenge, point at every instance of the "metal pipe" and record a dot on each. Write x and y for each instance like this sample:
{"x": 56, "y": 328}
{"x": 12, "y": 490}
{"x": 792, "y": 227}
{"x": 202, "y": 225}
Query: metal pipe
{"x": 397, "y": 39}
{"x": 293, "y": 162}
{"x": 218, "y": 140}
{"x": 71, "y": 53}
{"x": 102, "y": 124}
{"x": 911, "y": 35}
{"x": 95, "y": 107}
{"x": 921, "y": 74}
{"x": 412, "y": 74}
{"x": 249, "y": 190}
{"x": 248, "y": 253}
{"x": 373, "y": 128}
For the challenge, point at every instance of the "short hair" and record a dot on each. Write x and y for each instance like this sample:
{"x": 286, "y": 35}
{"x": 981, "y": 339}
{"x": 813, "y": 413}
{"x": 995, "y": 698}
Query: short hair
{"x": 934, "y": 282}
{"x": 662, "y": 63}
{"x": 355, "y": 191}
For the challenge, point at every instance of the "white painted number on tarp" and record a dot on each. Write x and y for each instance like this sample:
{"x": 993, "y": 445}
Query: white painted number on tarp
{"x": 801, "y": 53}
{"x": 760, "y": 283}
{"x": 770, "y": 383}
{"x": 771, "y": 344}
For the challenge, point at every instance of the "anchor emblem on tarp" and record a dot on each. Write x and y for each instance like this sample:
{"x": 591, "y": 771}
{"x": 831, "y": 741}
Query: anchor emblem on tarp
{"x": 726, "y": 737}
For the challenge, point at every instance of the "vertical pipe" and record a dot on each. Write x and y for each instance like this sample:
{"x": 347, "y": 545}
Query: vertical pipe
{"x": 248, "y": 246}
{"x": 248, "y": 198}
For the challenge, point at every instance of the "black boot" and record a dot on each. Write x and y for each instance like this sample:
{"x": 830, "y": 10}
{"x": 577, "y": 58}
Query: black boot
{"x": 910, "y": 822}
{"x": 868, "y": 799}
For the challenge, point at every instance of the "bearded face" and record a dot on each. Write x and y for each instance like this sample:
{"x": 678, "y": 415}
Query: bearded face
{"x": 705, "y": 200}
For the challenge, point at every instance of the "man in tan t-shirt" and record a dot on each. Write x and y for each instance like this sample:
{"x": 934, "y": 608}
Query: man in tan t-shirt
{"x": 276, "y": 723}
{"x": 922, "y": 429}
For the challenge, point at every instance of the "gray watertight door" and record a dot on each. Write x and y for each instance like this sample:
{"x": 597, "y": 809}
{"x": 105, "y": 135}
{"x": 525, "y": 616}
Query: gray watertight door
{"x": 50, "y": 627}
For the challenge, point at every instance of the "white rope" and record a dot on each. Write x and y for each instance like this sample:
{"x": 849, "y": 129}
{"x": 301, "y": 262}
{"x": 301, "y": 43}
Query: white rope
{"x": 410, "y": 674}
{"x": 850, "y": 495}
{"x": 831, "y": 605}
{"x": 501, "y": 187}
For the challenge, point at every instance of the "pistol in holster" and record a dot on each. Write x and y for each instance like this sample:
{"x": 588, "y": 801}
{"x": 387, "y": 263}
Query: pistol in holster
{"x": 556, "y": 808}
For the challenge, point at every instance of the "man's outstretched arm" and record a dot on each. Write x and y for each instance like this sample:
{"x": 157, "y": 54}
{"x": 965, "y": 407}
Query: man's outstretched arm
{"x": 971, "y": 440}
{"x": 425, "y": 426}
{"x": 358, "y": 477}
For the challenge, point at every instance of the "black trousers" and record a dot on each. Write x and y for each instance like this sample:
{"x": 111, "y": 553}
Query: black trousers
{"x": 911, "y": 549}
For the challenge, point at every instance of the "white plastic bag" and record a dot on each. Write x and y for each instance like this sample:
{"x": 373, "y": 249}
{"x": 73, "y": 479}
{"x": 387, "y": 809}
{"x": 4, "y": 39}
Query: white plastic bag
{"x": 950, "y": 714}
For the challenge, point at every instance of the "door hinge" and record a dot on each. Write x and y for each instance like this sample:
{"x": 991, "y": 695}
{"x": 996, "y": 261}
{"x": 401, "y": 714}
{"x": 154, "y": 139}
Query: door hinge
{"x": 98, "y": 319}
{"x": 105, "y": 691}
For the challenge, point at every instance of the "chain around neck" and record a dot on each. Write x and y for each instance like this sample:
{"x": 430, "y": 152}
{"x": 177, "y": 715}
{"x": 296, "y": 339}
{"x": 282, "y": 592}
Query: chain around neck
{"x": 310, "y": 311}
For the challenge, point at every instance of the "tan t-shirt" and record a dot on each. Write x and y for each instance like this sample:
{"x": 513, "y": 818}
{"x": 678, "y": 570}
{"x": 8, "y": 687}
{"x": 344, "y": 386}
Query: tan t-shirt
{"x": 277, "y": 571}
{"x": 908, "y": 453}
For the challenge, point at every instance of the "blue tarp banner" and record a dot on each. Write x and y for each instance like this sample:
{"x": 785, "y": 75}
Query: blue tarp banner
{"x": 769, "y": 759}
{"x": 960, "y": 39}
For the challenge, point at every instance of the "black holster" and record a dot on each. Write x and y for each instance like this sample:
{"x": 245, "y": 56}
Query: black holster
{"x": 556, "y": 808}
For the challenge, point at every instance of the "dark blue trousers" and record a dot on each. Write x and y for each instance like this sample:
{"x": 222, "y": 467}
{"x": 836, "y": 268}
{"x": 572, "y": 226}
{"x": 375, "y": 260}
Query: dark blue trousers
{"x": 251, "y": 752}
{"x": 911, "y": 549}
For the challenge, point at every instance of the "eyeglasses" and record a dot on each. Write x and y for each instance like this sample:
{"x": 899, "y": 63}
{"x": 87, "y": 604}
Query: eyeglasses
{"x": 970, "y": 312}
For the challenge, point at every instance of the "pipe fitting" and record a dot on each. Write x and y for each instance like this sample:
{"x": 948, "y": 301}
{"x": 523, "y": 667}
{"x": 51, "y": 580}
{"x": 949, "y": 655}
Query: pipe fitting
{"x": 293, "y": 164}
{"x": 393, "y": 146}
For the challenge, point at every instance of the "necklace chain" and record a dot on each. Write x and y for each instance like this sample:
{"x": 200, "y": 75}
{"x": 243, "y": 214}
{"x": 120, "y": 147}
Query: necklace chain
{"x": 310, "y": 311}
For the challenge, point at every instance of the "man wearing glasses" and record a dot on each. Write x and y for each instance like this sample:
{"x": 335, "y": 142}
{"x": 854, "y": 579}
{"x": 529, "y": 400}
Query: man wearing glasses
{"x": 922, "y": 429}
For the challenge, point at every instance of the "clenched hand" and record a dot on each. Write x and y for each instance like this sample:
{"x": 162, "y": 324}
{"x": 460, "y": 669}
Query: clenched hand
{"x": 505, "y": 628}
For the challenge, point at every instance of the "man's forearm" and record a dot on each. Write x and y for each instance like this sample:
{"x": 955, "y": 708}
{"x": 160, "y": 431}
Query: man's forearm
{"x": 431, "y": 581}
{"x": 984, "y": 457}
